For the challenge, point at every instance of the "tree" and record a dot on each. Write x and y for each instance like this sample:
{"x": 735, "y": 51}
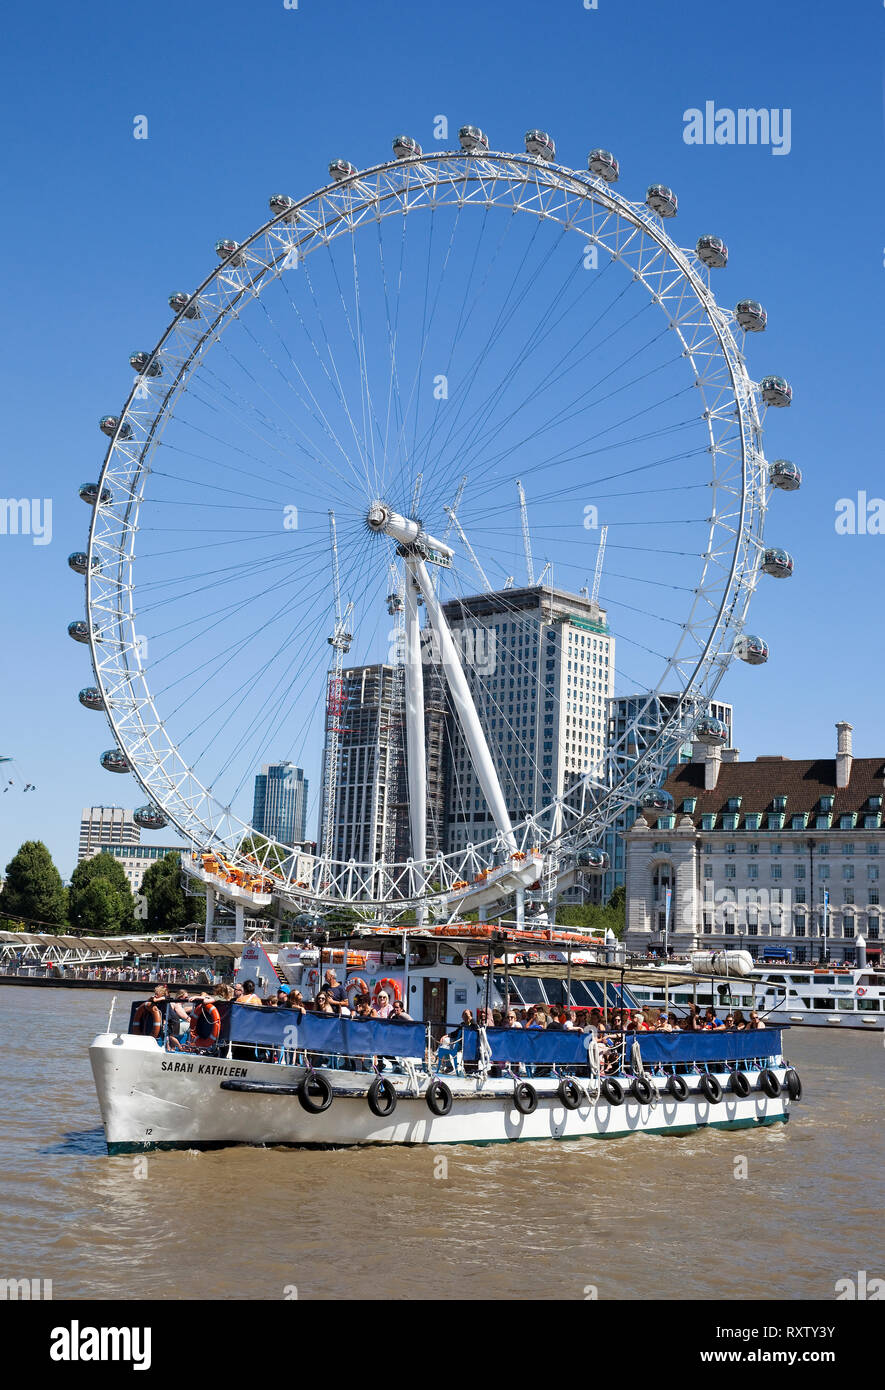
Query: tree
{"x": 108, "y": 911}
{"x": 33, "y": 889}
{"x": 168, "y": 906}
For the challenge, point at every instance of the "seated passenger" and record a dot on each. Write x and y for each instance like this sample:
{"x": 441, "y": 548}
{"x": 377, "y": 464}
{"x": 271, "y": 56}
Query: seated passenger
{"x": 382, "y": 1004}
{"x": 729, "y": 1021}
{"x": 755, "y": 1021}
{"x": 249, "y": 995}
{"x": 710, "y": 1021}
{"x": 740, "y": 1022}
{"x": 363, "y": 1007}
{"x": 398, "y": 1013}
{"x": 510, "y": 1019}
{"x": 322, "y": 1004}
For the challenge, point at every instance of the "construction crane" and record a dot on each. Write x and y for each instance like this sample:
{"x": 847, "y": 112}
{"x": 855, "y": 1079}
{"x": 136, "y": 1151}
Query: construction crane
{"x": 526, "y": 538}
{"x": 450, "y": 513}
{"x": 340, "y": 642}
{"x": 594, "y": 598}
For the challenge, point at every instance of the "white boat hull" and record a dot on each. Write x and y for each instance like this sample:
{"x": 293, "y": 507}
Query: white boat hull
{"x": 150, "y": 1098}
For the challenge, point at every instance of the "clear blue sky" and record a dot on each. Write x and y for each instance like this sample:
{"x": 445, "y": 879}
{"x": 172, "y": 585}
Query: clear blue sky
{"x": 246, "y": 101}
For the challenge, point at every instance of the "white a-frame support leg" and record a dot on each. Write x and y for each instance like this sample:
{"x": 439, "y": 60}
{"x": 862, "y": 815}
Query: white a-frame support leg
{"x": 416, "y": 758}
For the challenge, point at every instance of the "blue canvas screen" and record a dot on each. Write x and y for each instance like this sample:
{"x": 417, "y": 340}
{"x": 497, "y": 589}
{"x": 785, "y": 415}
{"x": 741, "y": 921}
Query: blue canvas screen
{"x": 326, "y": 1033}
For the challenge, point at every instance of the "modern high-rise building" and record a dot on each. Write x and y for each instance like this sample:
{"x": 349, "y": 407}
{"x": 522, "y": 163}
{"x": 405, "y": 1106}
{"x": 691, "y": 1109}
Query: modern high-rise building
{"x": 540, "y": 663}
{"x": 625, "y": 711}
{"x": 280, "y": 806}
{"x": 105, "y": 825}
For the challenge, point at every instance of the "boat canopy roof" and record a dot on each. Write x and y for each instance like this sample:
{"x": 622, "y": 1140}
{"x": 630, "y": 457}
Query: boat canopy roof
{"x": 605, "y": 974}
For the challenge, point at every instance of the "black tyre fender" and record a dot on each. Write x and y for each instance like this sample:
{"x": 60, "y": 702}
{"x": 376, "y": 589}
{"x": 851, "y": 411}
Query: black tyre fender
{"x": 311, "y": 1083}
{"x": 569, "y": 1093}
{"x": 382, "y": 1097}
{"x": 439, "y": 1098}
{"x": 678, "y": 1087}
{"x": 525, "y": 1097}
{"x": 740, "y": 1083}
{"x": 769, "y": 1083}
{"x": 710, "y": 1088}
{"x": 641, "y": 1089}
{"x": 793, "y": 1083}
{"x": 612, "y": 1090}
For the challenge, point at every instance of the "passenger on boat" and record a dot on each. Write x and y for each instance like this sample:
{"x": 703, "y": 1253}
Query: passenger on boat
{"x": 755, "y": 1021}
{"x": 692, "y": 1023}
{"x": 283, "y": 997}
{"x": 205, "y": 1025}
{"x": 295, "y": 1001}
{"x": 510, "y": 1019}
{"x": 398, "y": 1013}
{"x": 323, "y": 1004}
{"x": 363, "y": 1007}
{"x": 740, "y": 1023}
{"x": 335, "y": 992}
{"x": 382, "y": 1006}
{"x": 467, "y": 1019}
{"x": 554, "y": 1022}
{"x": 148, "y": 1020}
{"x": 249, "y": 996}
{"x": 711, "y": 1022}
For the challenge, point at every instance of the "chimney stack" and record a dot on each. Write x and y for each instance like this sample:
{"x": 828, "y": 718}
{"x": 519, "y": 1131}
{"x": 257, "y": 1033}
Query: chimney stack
{"x": 712, "y": 763}
{"x": 843, "y": 753}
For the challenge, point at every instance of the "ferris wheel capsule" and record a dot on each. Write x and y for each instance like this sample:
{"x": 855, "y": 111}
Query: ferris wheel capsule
{"x": 472, "y": 139}
{"x": 145, "y": 365}
{"x": 79, "y": 563}
{"x": 395, "y": 603}
{"x": 149, "y": 818}
{"x": 657, "y": 799}
{"x": 78, "y": 630}
{"x": 777, "y": 563}
{"x": 593, "y": 860}
{"x": 751, "y": 649}
{"x": 603, "y": 164}
{"x": 751, "y": 316}
{"x": 785, "y": 475}
{"x": 281, "y": 203}
{"x": 113, "y": 760}
{"x": 184, "y": 304}
{"x": 342, "y": 169}
{"x": 662, "y": 200}
{"x": 711, "y": 732}
{"x": 111, "y": 425}
{"x": 228, "y": 250}
{"x": 539, "y": 143}
{"x": 776, "y": 391}
{"x": 91, "y": 698}
{"x": 404, "y": 147}
{"x": 88, "y": 493}
{"x": 713, "y": 252}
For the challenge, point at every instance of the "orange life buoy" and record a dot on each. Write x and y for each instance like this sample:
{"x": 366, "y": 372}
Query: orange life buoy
{"x": 313, "y": 977}
{"x": 391, "y": 985}
{"x": 355, "y": 980}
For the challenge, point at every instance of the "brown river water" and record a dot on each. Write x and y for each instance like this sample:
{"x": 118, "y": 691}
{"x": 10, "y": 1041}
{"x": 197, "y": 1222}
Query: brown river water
{"x": 782, "y": 1212}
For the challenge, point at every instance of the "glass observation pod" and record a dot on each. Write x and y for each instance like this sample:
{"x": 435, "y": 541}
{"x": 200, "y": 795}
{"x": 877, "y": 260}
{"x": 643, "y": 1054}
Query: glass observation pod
{"x": 656, "y": 800}
{"x": 89, "y": 494}
{"x": 711, "y": 732}
{"x": 603, "y": 164}
{"x": 110, "y": 425}
{"x": 145, "y": 365}
{"x": 751, "y": 649}
{"x": 538, "y": 142}
{"x": 472, "y": 138}
{"x": 184, "y": 304}
{"x": 750, "y": 315}
{"x": 662, "y": 200}
{"x": 227, "y": 250}
{"x": 115, "y": 761}
{"x": 785, "y": 475}
{"x": 342, "y": 169}
{"x": 776, "y": 391}
{"x": 778, "y": 563}
{"x": 79, "y": 562}
{"x": 91, "y": 698}
{"x": 149, "y": 818}
{"x": 395, "y": 604}
{"x": 78, "y": 630}
{"x": 404, "y": 147}
{"x": 713, "y": 252}
{"x": 281, "y": 203}
{"x": 596, "y": 860}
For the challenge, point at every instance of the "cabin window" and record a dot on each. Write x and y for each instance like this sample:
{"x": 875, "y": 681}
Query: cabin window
{"x": 422, "y": 953}
{"x": 869, "y": 1005}
{"x": 448, "y": 956}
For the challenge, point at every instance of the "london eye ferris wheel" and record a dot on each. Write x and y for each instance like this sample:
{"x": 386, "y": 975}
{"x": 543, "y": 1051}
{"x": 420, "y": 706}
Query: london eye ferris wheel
{"x": 354, "y": 417}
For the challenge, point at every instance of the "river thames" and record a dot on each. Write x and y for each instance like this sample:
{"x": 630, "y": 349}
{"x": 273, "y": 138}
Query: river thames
{"x": 783, "y": 1212}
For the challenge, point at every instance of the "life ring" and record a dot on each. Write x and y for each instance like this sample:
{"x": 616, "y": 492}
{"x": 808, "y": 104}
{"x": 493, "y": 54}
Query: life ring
{"x": 382, "y": 1097}
{"x": 314, "y": 1092}
{"x": 569, "y": 1093}
{"x": 769, "y": 1083}
{"x": 355, "y": 980}
{"x": 793, "y": 1084}
{"x": 612, "y": 1090}
{"x": 860, "y": 992}
{"x": 678, "y": 1087}
{"x": 439, "y": 1097}
{"x": 525, "y": 1097}
{"x": 313, "y": 977}
{"x": 391, "y": 986}
{"x": 710, "y": 1088}
{"x": 740, "y": 1083}
{"x": 641, "y": 1089}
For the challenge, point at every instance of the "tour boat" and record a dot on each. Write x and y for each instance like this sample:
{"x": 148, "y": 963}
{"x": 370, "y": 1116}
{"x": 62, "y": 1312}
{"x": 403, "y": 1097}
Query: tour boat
{"x": 276, "y": 1076}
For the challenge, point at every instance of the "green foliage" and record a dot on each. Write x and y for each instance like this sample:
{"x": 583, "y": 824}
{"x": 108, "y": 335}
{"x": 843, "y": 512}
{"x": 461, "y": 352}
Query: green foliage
{"x": 596, "y": 918}
{"x": 33, "y": 889}
{"x": 101, "y": 901}
{"x": 168, "y": 907}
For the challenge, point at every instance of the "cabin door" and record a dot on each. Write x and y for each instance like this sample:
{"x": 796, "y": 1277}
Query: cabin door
{"x": 436, "y": 999}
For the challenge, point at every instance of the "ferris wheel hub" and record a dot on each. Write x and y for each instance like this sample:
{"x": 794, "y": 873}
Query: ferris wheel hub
{"x": 381, "y": 519}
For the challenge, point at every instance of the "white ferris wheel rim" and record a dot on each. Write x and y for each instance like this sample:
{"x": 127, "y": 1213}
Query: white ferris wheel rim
{"x": 673, "y": 277}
